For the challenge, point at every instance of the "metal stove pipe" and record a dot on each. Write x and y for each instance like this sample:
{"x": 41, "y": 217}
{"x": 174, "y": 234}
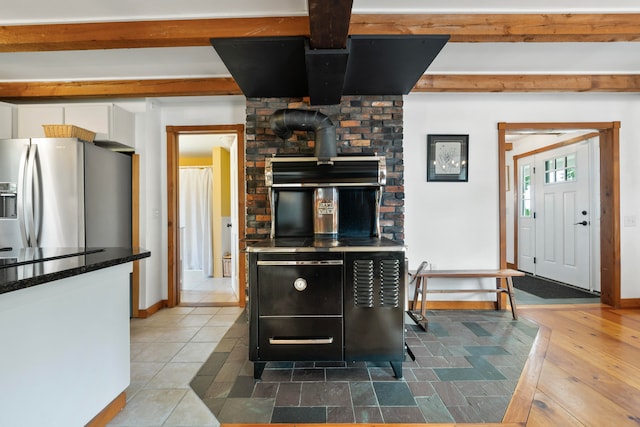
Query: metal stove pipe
{"x": 284, "y": 122}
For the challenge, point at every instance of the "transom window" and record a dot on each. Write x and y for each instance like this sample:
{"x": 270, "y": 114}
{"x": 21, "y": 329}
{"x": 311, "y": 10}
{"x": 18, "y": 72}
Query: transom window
{"x": 560, "y": 169}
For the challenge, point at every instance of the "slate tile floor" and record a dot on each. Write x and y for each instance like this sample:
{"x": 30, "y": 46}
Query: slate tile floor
{"x": 465, "y": 370}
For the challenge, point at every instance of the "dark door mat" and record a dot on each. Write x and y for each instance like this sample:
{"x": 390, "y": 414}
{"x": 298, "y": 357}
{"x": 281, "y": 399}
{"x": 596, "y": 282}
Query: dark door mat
{"x": 547, "y": 289}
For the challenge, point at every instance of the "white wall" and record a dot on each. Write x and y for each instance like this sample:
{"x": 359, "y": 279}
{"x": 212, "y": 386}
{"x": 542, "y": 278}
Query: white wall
{"x": 455, "y": 225}
{"x": 452, "y": 225}
{"x": 152, "y": 146}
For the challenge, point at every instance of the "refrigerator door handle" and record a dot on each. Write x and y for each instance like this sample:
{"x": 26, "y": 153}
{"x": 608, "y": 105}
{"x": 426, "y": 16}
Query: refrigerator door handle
{"x": 31, "y": 171}
{"x": 21, "y": 199}
{"x": 37, "y": 199}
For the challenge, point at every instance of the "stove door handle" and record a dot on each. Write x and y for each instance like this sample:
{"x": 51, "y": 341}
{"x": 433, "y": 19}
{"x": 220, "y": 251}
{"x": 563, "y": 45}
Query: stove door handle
{"x": 314, "y": 262}
{"x": 300, "y": 341}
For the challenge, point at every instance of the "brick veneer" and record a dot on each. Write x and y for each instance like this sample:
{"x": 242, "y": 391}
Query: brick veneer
{"x": 364, "y": 124}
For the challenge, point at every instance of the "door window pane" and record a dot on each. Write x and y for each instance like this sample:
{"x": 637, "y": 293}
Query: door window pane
{"x": 560, "y": 169}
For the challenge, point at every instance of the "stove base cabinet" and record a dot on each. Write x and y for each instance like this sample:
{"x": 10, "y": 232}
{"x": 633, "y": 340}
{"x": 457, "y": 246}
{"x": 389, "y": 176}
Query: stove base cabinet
{"x": 374, "y": 308}
{"x": 326, "y": 306}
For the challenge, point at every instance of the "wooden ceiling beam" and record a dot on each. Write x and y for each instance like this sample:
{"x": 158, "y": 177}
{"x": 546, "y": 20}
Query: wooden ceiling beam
{"x": 118, "y": 89}
{"x": 484, "y": 28}
{"x": 528, "y": 83}
{"x": 227, "y": 86}
{"x": 329, "y": 23}
{"x": 142, "y": 34}
{"x": 197, "y": 32}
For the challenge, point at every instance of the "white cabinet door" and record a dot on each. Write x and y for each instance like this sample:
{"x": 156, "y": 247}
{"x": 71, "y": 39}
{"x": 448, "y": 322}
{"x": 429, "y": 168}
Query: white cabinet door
{"x": 91, "y": 117}
{"x": 108, "y": 121}
{"x": 123, "y": 126}
{"x": 6, "y": 121}
{"x": 31, "y": 118}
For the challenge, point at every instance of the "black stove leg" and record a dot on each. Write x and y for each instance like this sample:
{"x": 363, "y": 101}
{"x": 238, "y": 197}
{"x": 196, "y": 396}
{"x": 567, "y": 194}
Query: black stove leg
{"x": 258, "y": 368}
{"x": 397, "y": 369}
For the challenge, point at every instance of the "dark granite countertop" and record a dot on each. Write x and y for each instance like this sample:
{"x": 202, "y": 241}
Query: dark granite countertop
{"x": 30, "y": 267}
{"x": 309, "y": 244}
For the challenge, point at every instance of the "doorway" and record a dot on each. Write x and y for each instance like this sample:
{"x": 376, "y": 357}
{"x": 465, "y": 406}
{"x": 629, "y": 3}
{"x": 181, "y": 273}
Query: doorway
{"x": 608, "y": 190}
{"x": 556, "y": 214}
{"x": 222, "y": 283}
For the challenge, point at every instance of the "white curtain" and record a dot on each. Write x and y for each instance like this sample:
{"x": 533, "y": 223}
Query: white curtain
{"x": 196, "y": 185}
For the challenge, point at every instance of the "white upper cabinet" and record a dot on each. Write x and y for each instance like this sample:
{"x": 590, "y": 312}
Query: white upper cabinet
{"x": 6, "y": 120}
{"x": 108, "y": 121}
{"x": 32, "y": 117}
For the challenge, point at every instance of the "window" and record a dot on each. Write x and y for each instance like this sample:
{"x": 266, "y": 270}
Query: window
{"x": 560, "y": 169}
{"x": 525, "y": 191}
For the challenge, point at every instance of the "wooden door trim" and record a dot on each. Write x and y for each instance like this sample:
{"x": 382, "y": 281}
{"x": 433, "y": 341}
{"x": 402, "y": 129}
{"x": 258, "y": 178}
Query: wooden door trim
{"x": 610, "y": 199}
{"x": 135, "y": 233}
{"x": 173, "y": 216}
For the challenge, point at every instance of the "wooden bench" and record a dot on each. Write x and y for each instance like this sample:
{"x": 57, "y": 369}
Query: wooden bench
{"x": 421, "y": 275}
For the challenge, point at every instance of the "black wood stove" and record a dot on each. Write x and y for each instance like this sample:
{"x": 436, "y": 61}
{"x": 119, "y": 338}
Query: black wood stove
{"x": 325, "y": 286}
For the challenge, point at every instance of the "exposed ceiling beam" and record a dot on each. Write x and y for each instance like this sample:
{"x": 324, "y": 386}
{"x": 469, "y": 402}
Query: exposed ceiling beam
{"x": 227, "y": 86}
{"x": 141, "y": 34}
{"x": 528, "y": 83}
{"x": 461, "y": 27}
{"x": 118, "y": 89}
{"x": 506, "y": 27}
{"x": 329, "y": 23}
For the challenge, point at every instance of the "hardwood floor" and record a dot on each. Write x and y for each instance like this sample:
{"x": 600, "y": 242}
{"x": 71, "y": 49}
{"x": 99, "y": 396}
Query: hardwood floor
{"x": 590, "y": 372}
{"x": 583, "y": 369}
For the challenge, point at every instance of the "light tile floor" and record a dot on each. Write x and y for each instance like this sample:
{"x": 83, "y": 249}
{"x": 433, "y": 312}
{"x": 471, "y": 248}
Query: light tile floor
{"x": 167, "y": 350}
{"x": 200, "y": 289}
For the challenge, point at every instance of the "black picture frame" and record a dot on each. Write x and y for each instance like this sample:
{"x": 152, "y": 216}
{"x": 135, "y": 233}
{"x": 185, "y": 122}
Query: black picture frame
{"x": 448, "y": 158}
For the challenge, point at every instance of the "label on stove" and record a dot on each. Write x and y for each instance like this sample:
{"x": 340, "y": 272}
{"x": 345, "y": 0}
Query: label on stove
{"x": 326, "y": 207}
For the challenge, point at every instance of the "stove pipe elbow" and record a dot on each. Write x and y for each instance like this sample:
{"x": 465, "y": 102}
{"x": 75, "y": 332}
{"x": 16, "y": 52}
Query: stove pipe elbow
{"x": 284, "y": 122}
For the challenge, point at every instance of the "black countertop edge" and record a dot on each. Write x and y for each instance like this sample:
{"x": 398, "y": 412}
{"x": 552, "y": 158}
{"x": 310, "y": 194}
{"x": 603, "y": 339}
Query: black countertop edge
{"x": 28, "y": 275}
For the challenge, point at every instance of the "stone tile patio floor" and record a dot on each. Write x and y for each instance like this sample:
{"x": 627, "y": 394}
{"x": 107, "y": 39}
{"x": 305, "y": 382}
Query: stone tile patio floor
{"x": 465, "y": 370}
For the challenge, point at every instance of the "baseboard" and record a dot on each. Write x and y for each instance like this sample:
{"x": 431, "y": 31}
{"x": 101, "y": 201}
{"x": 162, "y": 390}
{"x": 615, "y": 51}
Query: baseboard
{"x": 153, "y": 309}
{"x": 630, "y": 303}
{"x": 209, "y": 304}
{"x": 458, "y": 305}
{"x": 109, "y": 412}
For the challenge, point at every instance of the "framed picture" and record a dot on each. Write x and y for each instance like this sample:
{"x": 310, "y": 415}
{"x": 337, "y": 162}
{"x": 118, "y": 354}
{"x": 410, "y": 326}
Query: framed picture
{"x": 447, "y": 158}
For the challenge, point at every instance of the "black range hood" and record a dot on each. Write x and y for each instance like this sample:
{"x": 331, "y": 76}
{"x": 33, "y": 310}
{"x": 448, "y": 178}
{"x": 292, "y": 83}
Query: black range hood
{"x": 266, "y": 67}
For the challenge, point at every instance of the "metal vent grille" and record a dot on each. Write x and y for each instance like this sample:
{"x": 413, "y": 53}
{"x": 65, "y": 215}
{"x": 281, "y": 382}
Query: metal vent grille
{"x": 389, "y": 282}
{"x": 363, "y": 283}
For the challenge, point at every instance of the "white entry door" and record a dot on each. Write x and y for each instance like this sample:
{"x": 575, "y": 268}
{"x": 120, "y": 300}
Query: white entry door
{"x": 558, "y": 229}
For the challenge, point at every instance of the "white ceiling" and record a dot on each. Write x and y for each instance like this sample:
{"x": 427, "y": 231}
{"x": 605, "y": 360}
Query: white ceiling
{"x": 185, "y": 62}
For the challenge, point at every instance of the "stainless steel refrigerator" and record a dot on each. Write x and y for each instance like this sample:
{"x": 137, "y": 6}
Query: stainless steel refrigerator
{"x": 63, "y": 192}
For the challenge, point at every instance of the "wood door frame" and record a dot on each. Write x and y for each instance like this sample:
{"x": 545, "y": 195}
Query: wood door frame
{"x": 173, "y": 216}
{"x": 135, "y": 233}
{"x": 609, "y": 134}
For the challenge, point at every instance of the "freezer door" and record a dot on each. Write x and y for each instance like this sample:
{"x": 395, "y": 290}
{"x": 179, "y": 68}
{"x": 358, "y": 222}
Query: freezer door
{"x": 59, "y": 192}
{"x": 12, "y": 153}
{"x": 107, "y": 198}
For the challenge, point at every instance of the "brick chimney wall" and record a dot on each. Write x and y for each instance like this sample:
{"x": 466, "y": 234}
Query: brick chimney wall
{"x": 364, "y": 124}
